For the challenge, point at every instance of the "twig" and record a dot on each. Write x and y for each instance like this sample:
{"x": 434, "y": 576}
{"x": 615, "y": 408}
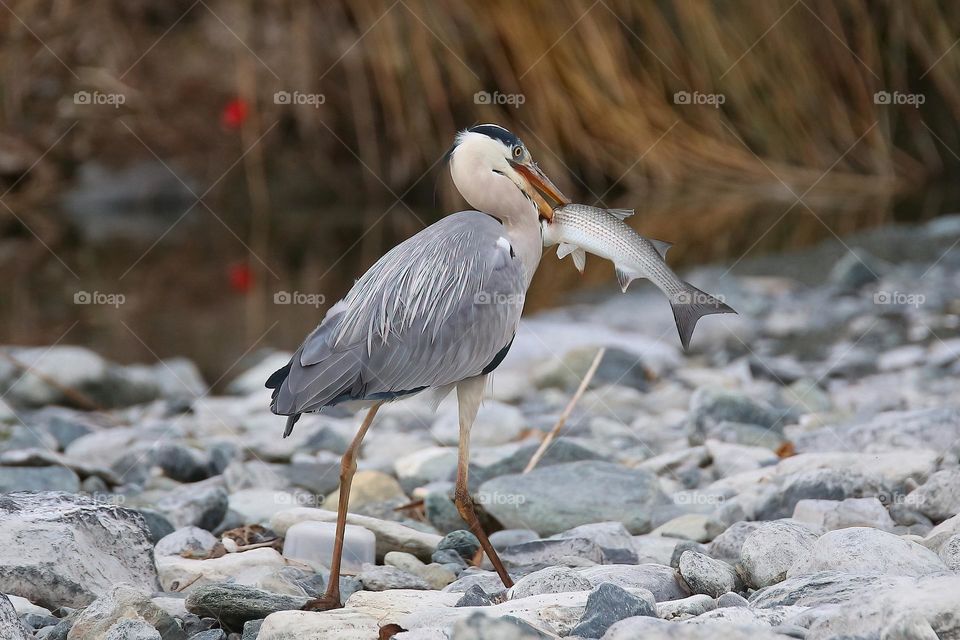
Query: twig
{"x": 566, "y": 411}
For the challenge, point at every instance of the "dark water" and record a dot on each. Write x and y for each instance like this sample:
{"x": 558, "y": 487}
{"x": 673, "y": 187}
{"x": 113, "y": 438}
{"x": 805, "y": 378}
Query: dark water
{"x": 146, "y": 281}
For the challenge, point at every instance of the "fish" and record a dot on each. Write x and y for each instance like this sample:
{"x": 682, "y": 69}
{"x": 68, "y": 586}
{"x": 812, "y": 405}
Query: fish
{"x": 580, "y": 228}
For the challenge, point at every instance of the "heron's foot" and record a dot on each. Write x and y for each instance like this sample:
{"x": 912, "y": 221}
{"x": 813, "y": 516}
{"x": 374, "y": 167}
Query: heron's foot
{"x": 322, "y": 604}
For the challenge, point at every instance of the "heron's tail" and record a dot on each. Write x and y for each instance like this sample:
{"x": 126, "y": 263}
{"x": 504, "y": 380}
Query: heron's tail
{"x": 689, "y": 304}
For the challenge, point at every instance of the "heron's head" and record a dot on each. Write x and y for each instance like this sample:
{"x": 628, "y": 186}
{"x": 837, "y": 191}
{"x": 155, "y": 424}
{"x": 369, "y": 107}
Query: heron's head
{"x": 493, "y": 171}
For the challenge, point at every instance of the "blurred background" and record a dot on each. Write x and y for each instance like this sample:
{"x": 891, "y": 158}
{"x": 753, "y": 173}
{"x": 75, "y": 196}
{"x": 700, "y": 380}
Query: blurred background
{"x": 204, "y": 178}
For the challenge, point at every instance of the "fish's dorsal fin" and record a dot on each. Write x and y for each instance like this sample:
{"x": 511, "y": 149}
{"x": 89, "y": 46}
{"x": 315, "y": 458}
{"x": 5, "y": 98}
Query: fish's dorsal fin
{"x": 579, "y": 259}
{"x": 620, "y": 214}
{"x": 661, "y": 247}
{"x": 624, "y": 278}
{"x": 565, "y": 249}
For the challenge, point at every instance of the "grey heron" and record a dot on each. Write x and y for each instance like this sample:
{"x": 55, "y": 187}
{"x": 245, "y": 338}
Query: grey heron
{"x": 438, "y": 311}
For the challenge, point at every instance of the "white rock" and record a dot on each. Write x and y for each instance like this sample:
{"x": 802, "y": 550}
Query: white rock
{"x": 10, "y": 624}
{"x": 769, "y": 552}
{"x": 496, "y": 423}
{"x": 894, "y": 467}
{"x": 549, "y": 580}
{"x": 188, "y": 540}
{"x": 257, "y": 506}
{"x": 338, "y": 624}
{"x": 426, "y": 465}
{"x": 24, "y": 606}
{"x": 729, "y": 459}
{"x": 852, "y": 512}
{"x": 385, "y": 606}
{"x": 391, "y": 536}
{"x": 705, "y": 575}
{"x": 691, "y": 526}
{"x": 660, "y": 580}
{"x": 902, "y": 357}
{"x": 247, "y": 568}
{"x": 67, "y": 366}
{"x": 861, "y": 550}
{"x": 63, "y": 550}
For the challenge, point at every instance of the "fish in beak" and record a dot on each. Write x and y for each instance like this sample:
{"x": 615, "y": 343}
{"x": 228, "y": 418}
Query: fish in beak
{"x": 541, "y": 190}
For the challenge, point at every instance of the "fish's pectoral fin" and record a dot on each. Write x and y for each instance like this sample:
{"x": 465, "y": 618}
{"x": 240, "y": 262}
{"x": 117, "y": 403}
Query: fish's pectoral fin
{"x": 624, "y": 278}
{"x": 620, "y": 214}
{"x": 565, "y": 249}
{"x": 661, "y": 247}
{"x": 579, "y": 259}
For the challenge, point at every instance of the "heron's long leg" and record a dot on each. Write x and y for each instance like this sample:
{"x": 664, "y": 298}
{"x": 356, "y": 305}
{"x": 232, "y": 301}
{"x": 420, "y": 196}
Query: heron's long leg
{"x": 348, "y": 466}
{"x": 469, "y": 394}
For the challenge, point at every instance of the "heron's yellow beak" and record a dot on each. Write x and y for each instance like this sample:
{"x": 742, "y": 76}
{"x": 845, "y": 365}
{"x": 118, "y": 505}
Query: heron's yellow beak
{"x": 541, "y": 189}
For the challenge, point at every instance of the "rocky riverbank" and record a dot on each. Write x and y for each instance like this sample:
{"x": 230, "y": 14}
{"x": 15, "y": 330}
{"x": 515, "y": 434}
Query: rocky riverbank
{"x": 796, "y": 476}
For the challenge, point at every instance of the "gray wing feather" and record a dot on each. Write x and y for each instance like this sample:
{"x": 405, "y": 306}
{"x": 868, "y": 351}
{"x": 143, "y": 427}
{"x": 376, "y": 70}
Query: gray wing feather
{"x": 434, "y": 310}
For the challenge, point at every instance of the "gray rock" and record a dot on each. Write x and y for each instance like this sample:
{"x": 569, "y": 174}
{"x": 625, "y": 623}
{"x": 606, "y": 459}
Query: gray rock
{"x": 769, "y": 552}
{"x": 509, "y": 537}
{"x": 819, "y": 484}
{"x": 212, "y": 634}
{"x": 382, "y": 578}
{"x": 463, "y": 542}
{"x": 63, "y": 424}
{"x": 10, "y": 626}
{"x": 854, "y": 270}
{"x": 482, "y": 627}
{"x": 711, "y": 407}
{"x": 555, "y": 498}
{"x": 562, "y": 451}
{"x": 852, "y": 512}
{"x": 608, "y": 604}
{"x": 950, "y": 553}
{"x": 937, "y": 429}
{"x": 939, "y": 497}
{"x": 612, "y": 537}
{"x": 251, "y": 630}
{"x": 54, "y": 478}
{"x": 549, "y": 580}
{"x": 732, "y": 599}
{"x": 64, "y": 550}
{"x": 200, "y": 504}
{"x": 727, "y": 545}
{"x": 660, "y": 580}
{"x": 157, "y": 523}
{"x": 824, "y": 588}
{"x": 682, "y": 547}
{"x": 489, "y": 581}
{"x": 124, "y": 602}
{"x": 705, "y": 575}
{"x": 234, "y": 604}
{"x": 863, "y": 550}
{"x": 189, "y": 542}
{"x": 684, "y": 608}
{"x": 475, "y": 596}
{"x": 130, "y": 629}
{"x": 551, "y": 552}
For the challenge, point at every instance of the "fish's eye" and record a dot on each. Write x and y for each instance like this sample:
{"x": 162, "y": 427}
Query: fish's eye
{"x": 518, "y": 152}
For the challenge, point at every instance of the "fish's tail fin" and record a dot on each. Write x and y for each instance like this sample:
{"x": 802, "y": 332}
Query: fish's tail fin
{"x": 689, "y": 304}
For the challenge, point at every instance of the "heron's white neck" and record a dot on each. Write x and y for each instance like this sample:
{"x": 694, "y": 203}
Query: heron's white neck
{"x": 496, "y": 195}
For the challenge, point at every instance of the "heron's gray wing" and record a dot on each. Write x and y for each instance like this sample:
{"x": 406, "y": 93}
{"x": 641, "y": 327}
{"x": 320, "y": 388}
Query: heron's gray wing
{"x": 436, "y": 309}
